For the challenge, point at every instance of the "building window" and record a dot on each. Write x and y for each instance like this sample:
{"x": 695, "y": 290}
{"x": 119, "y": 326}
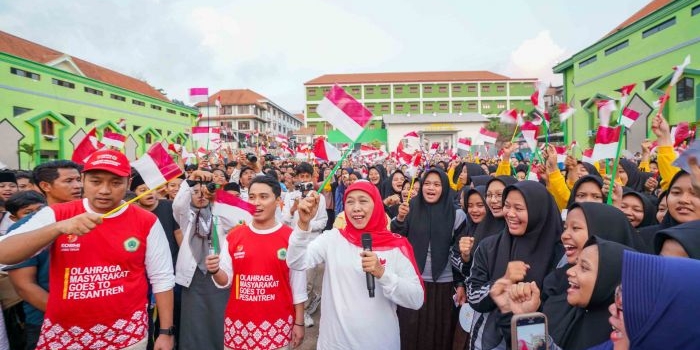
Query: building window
{"x": 384, "y": 89}
{"x": 19, "y": 110}
{"x": 117, "y": 97}
{"x": 685, "y": 90}
{"x": 312, "y": 109}
{"x": 471, "y": 88}
{"x": 457, "y": 106}
{"x": 485, "y": 88}
{"x": 138, "y": 103}
{"x": 63, "y": 83}
{"x": 472, "y": 105}
{"x": 70, "y": 118}
{"x": 617, "y": 48}
{"x": 183, "y": 114}
{"x": 171, "y": 111}
{"x": 156, "y": 107}
{"x": 385, "y": 108}
{"x": 500, "y": 88}
{"x": 148, "y": 138}
{"x": 47, "y": 156}
{"x": 93, "y": 91}
{"x": 587, "y": 61}
{"x": 311, "y": 92}
{"x": 695, "y": 10}
{"x": 485, "y": 105}
{"x": 414, "y": 106}
{"x": 398, "y": 89}
{"x": 443, "y": 106}
{"x": 369, "y": 90}
{"x": 428, "y": 107}
{"x": 427, "y": 89}
{"x": 442, "y": 89}
{"x": 24, "y": 73}
{"x": 659, "y": 27}
{"x": 399, "y": 108}
{"x": 456, "y": 88}
{"x": 413, "y": 89}
{"x": 500, "y": 105}
{"x": 47, "y": 127}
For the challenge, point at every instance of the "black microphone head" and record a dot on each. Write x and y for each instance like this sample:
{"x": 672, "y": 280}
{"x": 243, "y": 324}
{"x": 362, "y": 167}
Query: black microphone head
{"x": 366, "y": 241}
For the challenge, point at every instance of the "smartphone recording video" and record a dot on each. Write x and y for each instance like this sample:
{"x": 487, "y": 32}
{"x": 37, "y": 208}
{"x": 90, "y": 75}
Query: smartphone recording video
{"x": 529, "y": 331}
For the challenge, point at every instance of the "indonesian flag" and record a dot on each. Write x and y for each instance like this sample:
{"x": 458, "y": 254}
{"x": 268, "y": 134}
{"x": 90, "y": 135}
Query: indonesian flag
{"x": 156, "y": 167}
{"x": 263, "y": 150}
{"x": 286, "y": 149}
{"x": 561, "y": 154}
{"x": 605, "y": 108}
{"x": 232, "y": 208}
{"x": 344, "y": 112}
{"x": 464, "y": 143}
{"x": 204, "y": 134}
{"x": 565, "y": 111}
{"x": 113, "y": 139}
{"x": 174, "y": 147}
{"x": 587, "y": 156}
{"x": 326, "y": 151}
{"x": 486, "y": 136}
{"x": 434, "y": 148}
{"x": 199, "y": 95}
{"x": 661, "y": 101}
{"x": 87, "y": 146}
{"x": 530, "y": 131}
{"x": 281, "y": 138}
{"x": 629, "y": 116}
{"x": 679, "y": 71}
{"x": 402, "y": 156}
{"x": 533, "y": 176}
{"x": 201, "y": 152}
{"x": 606, "y": 141}
{"x": 680, "y": 133}
{"x": 537, "y": 97}
{"x": 368, "y": 150}
{"x": 411, "y": 134}
{"x": 625, "y": 91}
{"x": 509, "y": 116}
{"x": 573, "y": 144}
{"x": 121, "y": 123}
{"x": 539, "y": 119}
{"x": 217, "y": 102}
{"x": 414, "y": 164}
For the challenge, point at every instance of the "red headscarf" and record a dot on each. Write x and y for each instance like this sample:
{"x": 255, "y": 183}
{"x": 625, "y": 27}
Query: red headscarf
{"x": 382, "y": 239}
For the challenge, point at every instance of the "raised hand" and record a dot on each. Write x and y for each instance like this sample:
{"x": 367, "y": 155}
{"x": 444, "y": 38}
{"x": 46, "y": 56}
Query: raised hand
{"x": 516, "y": 271}
{"x": 524, "y": 297}
{"x": 307, "y": 209}
{"x": 80, "y": 224}
{"x": 403, "y": 212}
{"x": 499, "y": 293}
{"x": 465, "y": 247}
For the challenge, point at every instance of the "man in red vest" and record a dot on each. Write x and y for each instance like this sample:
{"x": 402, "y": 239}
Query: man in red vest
{"x": 99, "y": 267}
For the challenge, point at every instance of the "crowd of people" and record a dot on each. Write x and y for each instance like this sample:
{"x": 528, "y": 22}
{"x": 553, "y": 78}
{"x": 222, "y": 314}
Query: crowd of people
{"x": 439, "y": 259}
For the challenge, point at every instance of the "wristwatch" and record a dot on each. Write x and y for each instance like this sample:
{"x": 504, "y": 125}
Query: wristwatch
{"x": 167, "y": 331}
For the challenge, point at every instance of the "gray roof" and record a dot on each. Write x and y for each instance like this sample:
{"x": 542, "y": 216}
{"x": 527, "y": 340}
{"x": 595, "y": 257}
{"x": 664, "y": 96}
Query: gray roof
{"x": 437, "y": 118}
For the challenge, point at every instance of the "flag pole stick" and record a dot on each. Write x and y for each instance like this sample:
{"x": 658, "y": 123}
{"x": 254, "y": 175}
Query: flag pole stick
{"x": 663, "y": 100}
{"x": 121, "y": 206}
{"x": 339, "y": 163}
{"x": 410, "y": 190}
{"x": 515, "y": 131}
{"x": 616, "y": 162}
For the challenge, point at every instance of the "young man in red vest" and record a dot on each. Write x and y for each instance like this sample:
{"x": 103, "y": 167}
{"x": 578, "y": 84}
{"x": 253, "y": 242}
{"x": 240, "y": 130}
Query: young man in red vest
{"x": 99, "y": 267}
{"x": 266, "y": 307}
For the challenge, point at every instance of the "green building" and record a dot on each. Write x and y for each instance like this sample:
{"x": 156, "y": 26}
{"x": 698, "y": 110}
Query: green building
{"x": 642, "y": 50}
{"x": 434, "y": 96}
{"x": 49, "y": 100}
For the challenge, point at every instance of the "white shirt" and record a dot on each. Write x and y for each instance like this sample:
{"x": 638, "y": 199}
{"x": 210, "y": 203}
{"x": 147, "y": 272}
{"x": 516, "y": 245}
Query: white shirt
{"x": 350, "y": 319}
{"x": 317, "y": 224}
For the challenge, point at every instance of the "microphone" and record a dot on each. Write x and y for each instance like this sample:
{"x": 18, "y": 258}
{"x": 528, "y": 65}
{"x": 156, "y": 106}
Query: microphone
{"x": 367, "y": 246}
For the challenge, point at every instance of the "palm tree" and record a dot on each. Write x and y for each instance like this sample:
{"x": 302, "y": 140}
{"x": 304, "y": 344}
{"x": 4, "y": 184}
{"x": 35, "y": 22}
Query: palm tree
{"x": 28, "y": 148}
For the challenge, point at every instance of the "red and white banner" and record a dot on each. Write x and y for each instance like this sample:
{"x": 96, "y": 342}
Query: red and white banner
{"x": 565, "y": 111}
{"x": 679, "y": 71}
{"x": 510, "y": 117}
{"x": 199, "y": 95}
{"x": 205, "y": 136}
{"x": 464, "y": 143}
{"x": 561, "y": 153}
{"x": 537, "y": 98}
{"x": 606, "y": 140}
{"x": 156, "y": 167}
{"x": 344, "y": 112}
{"x": 605, "y": 109}
{"x": 587, "y": 156}
{"x": 530, "y": 131}
{"x": 486, "y": 136}
{"x": 629, "y": 116}
{"x": 113, "y": 139}
{"x": 281, "y": 138}
{"x": 326, "y": 151}
{"x": 434, "y": 148}
{"x": 625, "y": 91}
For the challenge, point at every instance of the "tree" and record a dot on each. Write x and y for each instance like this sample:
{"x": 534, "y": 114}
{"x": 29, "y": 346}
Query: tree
{"x": 28, "y": 148}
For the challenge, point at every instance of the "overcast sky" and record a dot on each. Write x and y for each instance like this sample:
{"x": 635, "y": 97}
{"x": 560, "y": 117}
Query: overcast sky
{"x": 273, "y": 47}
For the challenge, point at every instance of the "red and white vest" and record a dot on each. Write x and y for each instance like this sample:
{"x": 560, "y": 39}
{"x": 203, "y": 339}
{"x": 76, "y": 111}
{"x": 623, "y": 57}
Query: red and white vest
{"x": 260, "y": 313}
{"x": 98, "y": 283}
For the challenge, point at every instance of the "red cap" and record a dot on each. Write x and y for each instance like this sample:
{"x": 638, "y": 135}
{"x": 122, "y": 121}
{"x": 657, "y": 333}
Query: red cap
{"x": 108, "y": 160}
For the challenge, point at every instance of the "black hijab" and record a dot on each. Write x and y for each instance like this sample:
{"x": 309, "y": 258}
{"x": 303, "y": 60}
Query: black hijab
{"x": 432, "y": 225}
{"x": 635, "y": 178}
{"x": 586, "y": 327}
{"x": 584, "y": 179}
{"x": 648, "y": 233}
{"x": 687, "y": 234}
{"x": 382, "y": 176}
{"x": 470, "y": 227}
{"x": 491, "y": 225}
{"x": 539, "y": 246}
{"x": 473, "y": 169}
{"x": 647, "y": 206}
{"x": 387, "y": 189}
{"x": 480, "y": 180}
{"x": 591, "y": 169}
